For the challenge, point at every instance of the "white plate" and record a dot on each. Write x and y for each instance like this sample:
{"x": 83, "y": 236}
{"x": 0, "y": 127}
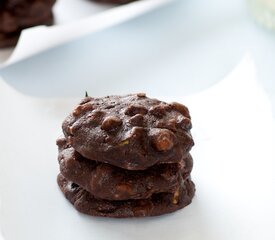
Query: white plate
{"x": 233, "y": 170}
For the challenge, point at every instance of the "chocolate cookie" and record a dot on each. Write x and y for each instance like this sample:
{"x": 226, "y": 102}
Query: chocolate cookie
{"x": 157, "y": 204}
{"x": 112, "y": 183}
{"x": 132, "y": 132}
{"x": 16, "y": 15}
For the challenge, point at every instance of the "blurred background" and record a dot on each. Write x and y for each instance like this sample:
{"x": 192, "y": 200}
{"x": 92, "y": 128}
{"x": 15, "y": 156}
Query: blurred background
{"x": 177, "y": 49}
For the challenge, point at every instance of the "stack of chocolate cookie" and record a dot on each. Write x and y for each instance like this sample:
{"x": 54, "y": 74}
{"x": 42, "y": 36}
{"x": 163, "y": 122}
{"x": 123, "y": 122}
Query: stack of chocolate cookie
{"x": 126, "y": 156}
{"x": 16, "y": 15}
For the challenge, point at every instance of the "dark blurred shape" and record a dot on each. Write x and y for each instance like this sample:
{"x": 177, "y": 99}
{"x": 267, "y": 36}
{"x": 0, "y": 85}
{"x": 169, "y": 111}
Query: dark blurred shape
{"x": 16, "y": 15}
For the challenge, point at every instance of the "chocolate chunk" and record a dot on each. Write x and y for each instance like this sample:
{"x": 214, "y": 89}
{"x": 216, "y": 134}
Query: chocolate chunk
{"x": 181, "y": 108}
{"x": 111, "y": 123}
{"x": 135, "y": 109}
{"x": 137, "y": 120}
{"x": 160, "y": 110}
{"x": 163, "y": 139}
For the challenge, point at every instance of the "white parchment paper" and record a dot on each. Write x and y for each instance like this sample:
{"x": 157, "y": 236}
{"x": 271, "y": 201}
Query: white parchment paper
{"x": 74, "y": 19}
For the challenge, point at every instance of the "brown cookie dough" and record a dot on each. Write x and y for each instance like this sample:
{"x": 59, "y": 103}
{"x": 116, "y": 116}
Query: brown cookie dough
{"x": 157, "y": 204}
{"x": 132, "y": 132}
{"x": 16, "y": 15}
{"x": 112, "y": 183}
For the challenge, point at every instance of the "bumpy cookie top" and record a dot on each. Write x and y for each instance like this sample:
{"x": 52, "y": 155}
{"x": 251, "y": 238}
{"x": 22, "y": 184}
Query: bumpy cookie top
{"x": 132, "y": 132}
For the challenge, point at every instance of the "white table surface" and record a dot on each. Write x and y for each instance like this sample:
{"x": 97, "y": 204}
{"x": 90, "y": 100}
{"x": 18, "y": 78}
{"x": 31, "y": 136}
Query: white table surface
{"x": 178, "y": 50}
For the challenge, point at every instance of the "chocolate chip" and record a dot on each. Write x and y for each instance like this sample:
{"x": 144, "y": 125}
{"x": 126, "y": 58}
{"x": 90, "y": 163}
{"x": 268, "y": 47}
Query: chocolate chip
{"x": 163, "y": 139}
{"x": 181, "y": 108}
{"x": 83, "y": 108}
{"x": 111, "y": 123}
{"x": 137, "y": 120}
{"x": 70, "y": 130}
{"x": 159, "y": 110}
{"x": 170, "y": 124}
{"x": 141, "y": 95}
{"x": 95, "y": 118}
{"x": 135, "y": 109}
{"x": 184, "y": 123}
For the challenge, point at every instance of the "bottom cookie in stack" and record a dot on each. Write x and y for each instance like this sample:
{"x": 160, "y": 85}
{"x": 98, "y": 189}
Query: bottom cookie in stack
{"x": 100, "y": 189}
{"x": 157, "y": 204}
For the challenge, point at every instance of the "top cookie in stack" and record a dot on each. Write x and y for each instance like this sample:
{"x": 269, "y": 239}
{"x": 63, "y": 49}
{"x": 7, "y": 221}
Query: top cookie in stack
{"x": 132, "y": 132}
{"x": 126, "y": 156}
